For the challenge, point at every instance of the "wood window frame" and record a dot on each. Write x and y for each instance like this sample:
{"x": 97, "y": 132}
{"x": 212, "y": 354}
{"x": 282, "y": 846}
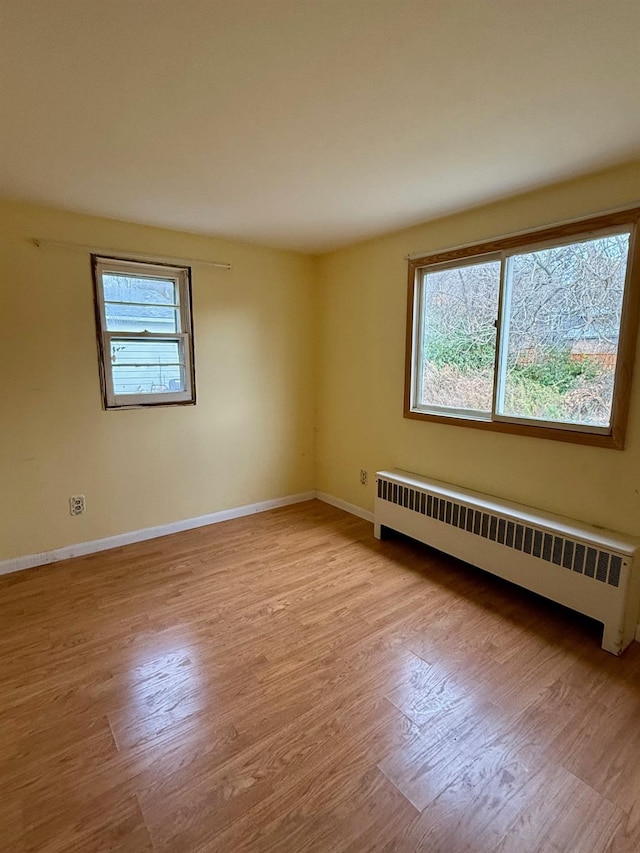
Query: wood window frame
{"x": 580, "y": 228}
{"x": 181, "y": 275}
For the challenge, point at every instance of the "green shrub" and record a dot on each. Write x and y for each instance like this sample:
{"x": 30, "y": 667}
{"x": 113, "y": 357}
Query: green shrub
{"x": 460, "y": 349}
{"x": 556, "y": 369}
{"x": 528, "y": 398}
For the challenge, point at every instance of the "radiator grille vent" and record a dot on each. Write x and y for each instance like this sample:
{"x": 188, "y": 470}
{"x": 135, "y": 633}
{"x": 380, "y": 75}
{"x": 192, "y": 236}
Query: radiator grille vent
{"x": 571, "y": 555}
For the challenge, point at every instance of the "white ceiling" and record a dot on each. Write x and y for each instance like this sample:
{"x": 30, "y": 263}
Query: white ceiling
{"x": 308, "y": 124}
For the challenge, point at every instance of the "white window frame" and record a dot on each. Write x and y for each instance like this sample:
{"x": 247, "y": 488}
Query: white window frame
{"x": 181, "y": 276}
{"x": 503, "y": 249}
{"x": 417, "y": 336}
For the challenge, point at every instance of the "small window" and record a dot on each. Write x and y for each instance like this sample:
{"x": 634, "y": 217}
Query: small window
{"x": 145, "y": 336}
{"x": 532, "y": 334}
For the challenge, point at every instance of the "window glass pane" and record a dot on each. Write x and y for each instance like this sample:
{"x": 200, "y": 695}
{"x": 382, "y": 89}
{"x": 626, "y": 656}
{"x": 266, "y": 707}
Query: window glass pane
{"x": 562, "y": 320}
{"x": 459, "y": 310}
{"x": 124, "y": 288}
{"x": 146, "y": 366}
{"x": 121, "y": 317}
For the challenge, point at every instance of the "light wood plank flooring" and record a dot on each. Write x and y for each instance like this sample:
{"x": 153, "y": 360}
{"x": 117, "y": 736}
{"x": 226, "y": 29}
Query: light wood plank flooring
{"x": 284, "y": 682}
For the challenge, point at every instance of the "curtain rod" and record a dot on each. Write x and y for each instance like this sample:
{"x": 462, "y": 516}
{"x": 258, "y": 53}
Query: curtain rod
{"x": 124, "y": 255}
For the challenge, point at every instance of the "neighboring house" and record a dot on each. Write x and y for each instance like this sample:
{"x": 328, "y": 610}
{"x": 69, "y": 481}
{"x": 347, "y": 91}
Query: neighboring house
{"x": 600, "y": 352}
{"x": 151, "y": 372}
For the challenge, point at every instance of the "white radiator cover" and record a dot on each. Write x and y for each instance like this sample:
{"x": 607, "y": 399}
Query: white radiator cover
{"x": 591, "y": 570}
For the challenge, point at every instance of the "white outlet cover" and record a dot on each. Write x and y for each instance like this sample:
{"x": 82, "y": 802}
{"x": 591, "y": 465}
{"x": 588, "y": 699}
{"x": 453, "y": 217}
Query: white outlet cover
{"x": 76, "y": 504}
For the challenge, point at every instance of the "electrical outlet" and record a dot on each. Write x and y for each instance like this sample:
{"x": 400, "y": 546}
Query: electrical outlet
{"x": 364, "y": 477}
{"x": 76, "y": 504}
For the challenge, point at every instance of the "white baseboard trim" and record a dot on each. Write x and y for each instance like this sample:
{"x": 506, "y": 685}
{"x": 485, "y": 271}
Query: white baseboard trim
{"x": 638, "y": 634}
{"x": 29, "y": 561}
{"x": 347, "y": 507}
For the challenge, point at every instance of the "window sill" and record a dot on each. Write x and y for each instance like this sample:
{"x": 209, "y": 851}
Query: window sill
{"x": 594, "y": 439}
{"x": 117, "y": 406}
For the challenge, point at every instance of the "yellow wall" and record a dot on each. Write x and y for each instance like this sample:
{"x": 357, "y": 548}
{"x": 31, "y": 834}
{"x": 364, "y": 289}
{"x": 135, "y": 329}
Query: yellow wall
{"x": 287, "y": 348}
{"x": 362, "y": 293}
{"x": 249, "y": 438}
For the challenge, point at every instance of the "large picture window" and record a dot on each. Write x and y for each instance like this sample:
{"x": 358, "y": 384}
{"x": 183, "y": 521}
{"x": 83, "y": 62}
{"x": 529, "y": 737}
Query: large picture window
{"x": 145, "y": 338}
{"x": 532, "y": 334}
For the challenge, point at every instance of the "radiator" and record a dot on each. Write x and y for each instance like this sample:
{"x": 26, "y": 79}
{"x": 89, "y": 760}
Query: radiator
{"x": 585, "y": 568}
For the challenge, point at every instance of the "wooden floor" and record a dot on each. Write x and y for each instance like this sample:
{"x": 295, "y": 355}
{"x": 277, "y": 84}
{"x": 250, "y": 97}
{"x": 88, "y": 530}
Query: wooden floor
{"x": 284, "y": 682}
